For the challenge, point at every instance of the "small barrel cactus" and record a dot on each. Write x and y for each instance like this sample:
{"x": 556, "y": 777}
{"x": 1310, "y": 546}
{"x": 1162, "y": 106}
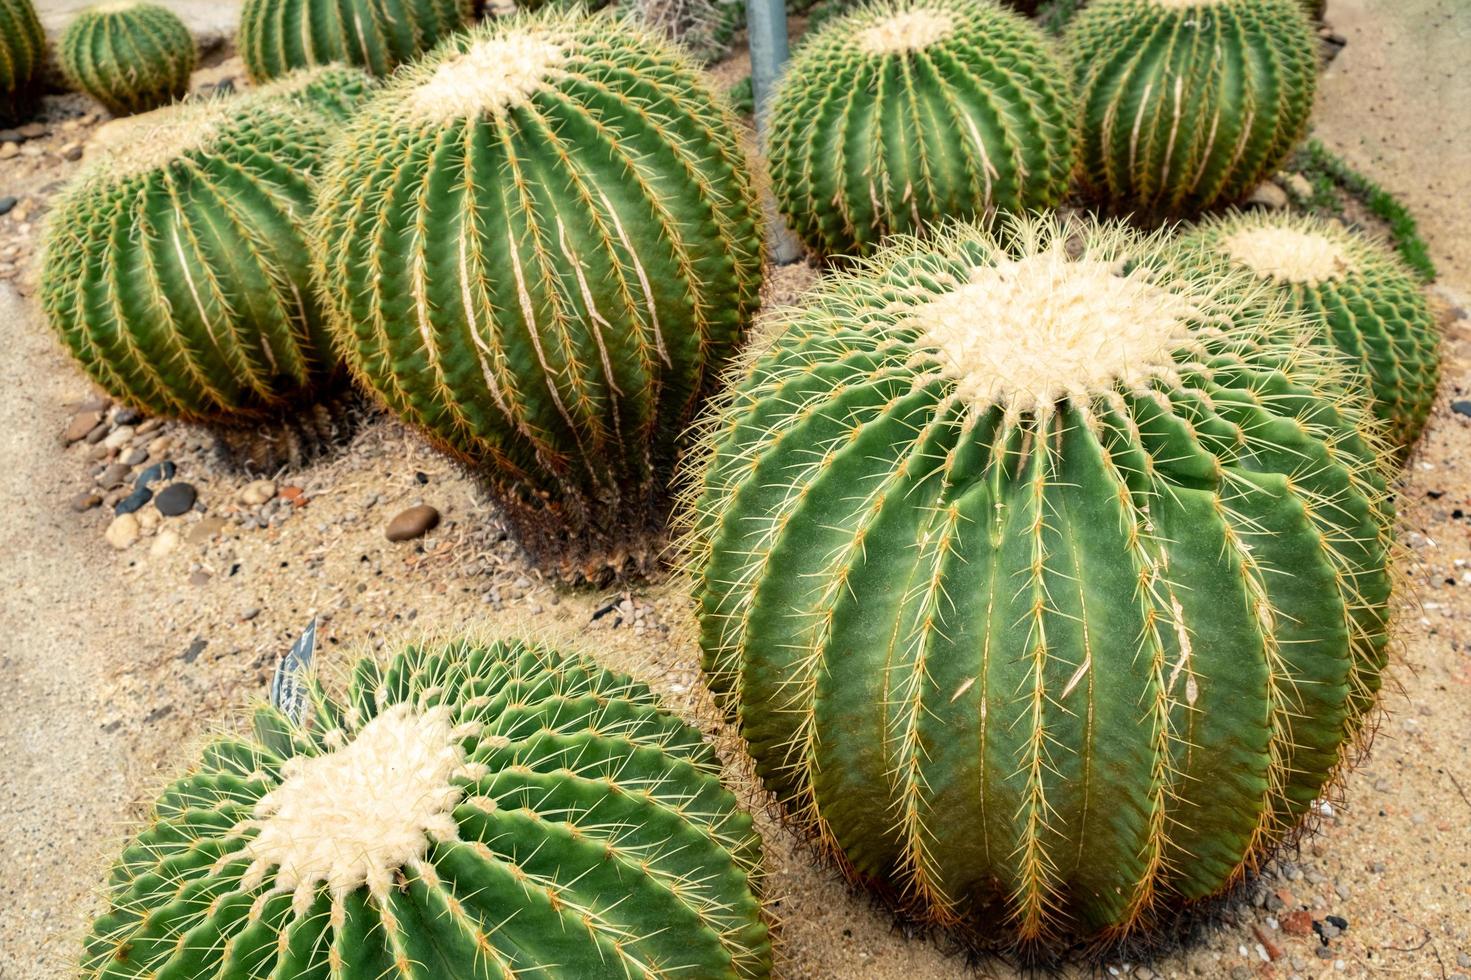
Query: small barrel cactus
{"x": 335, "y": 90}
{"x": 1047, "y": 578}
{"x": 277, "y": 36}
{"x": 1189, "y": 103}
{"x": 177, "y": 273}
{"x": 128, "y": 55}
{"x": 1373, "y": 308}
{"x": 22, "y": 54}
{"x": 539, "y": 246}
{"x": 900, "y": 114}
{"x": 467, "y": 811}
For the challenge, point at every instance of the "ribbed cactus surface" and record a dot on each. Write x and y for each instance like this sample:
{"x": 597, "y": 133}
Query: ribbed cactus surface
{"x": 466, "y": 811}
{"x": 1047, "y": 580}
{"x": 336, "y": 90}
{"x": 540, "y": 245}
{"x": 900, "y": 114}
{"x": 22, "y": 53}
{"x": 129, "y": 55}
{"x": 1188, "y": 104}
{"x": 1374, "y": 310}
{"x": 277, "y": 36}
{"x": 176, "y": 268}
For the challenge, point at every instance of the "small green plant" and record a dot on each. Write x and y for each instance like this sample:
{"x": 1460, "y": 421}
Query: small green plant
{"x": 1367, "y": 299}
{"x": 336, "y": 90}
{"x": 176, "y": 272}
{"x": 540, "y": 246}
{"x": 1046, "y": 573}
{"x": 1172, "y": 121}
{"x": 900, "y": 114}
{"x": 1330, "y": 176}
{"x": 22, "y": 54}
{"x": 277, "y": 36}
{"x": 129, "y": 55}
{"x": 467, "y": 810}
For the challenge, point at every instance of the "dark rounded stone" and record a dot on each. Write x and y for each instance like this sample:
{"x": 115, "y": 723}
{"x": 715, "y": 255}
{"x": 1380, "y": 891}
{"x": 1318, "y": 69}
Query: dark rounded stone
{"x": 127, "y": 416}
{"x": 412, "y": 523}
{"x": 175, "y": 499}
{"x": 7, "y": 204}
{"x": 158, "y": 471}
{"x": 133, "y": 501}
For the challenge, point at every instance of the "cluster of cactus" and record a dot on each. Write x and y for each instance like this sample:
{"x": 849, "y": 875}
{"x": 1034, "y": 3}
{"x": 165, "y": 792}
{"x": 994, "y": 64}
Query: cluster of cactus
{"x": 1188, "y": 105}
{"x": 278, "y": 36}
{"x": 1373, "y": 309}
{"x": 1046, "y": 575}
{"x": 22, "y": 54}
{"x": 129, "y": 55}
{"x": 903, "y": 113}
{"x": 334, "y": 90}
{"x": 489, "y": 810}
{"x": 176, "y": 271}
{"x": 539, "y": 246}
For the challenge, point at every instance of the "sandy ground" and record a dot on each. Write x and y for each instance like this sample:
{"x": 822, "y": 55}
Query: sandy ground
{"x": 116, "y": 663}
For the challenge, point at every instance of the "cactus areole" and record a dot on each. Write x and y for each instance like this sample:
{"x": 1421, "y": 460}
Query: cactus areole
{"x": 540, "y": 246}
{"x": 468, "y": 811}
{"x": 903, "y": 113}
{"x": 1047, "y": 581}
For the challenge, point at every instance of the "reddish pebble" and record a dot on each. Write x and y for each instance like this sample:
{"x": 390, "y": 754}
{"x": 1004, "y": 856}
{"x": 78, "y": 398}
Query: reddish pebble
{"x": 1298, "y": 923}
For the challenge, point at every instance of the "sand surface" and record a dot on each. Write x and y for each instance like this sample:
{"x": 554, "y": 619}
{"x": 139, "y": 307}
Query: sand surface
{"x": 115, "y": 664}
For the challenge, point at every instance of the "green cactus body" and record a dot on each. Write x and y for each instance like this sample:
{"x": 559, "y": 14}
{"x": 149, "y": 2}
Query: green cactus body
{"x": 1374, "y": 310}
{"x": 1046, "y": 580}
{"x": 467, "y": 811}
{"x": 128, "y": 55}
{"x": 1187, "y": 105}
{"x": 900, "y": 114}
{"x": 22, "y": 53}
{"x": 277, "y": 36}
{"x": 176, "y": 268}
{"x": 335, "y": 90}
{"x": 540, "y": 246}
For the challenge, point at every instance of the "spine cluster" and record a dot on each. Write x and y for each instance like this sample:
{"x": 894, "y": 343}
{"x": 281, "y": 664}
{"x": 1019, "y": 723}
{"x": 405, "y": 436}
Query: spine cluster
{"x": 130, "y": 56}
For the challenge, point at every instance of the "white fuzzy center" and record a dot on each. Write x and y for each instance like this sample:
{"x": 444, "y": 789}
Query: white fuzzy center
{"x": 1027, "y": 332}
{"x": 137, "y": 144}
{"x": 1288, "y": 254}
{"x": 114, "y": 6}
{"x": 1181, "y": 4}
{"x": 357, "y": 815}
{"x": 909, "y": 30}
{"x": 494, "y": 74}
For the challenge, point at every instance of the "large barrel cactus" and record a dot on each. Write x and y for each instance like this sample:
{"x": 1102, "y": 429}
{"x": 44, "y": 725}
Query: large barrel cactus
{"x": 22, "y": 54}
{"x": 467, "y": 811}
{"x": 1046, "y": 579}
{"x": 129, "y": 55}
{"x": 335, "y": 90}
{"x": 540, "y": 245}
{"x": 277, "y": 36}
{"x": 1189, "y": 104}
{"x": 903, "y": 113}
{"x": 1373, "y": 308}
{"x": 177, "y": 273}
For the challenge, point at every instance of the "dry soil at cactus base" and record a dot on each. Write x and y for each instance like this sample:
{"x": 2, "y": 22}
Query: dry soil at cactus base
{"x": 114, "y": 663}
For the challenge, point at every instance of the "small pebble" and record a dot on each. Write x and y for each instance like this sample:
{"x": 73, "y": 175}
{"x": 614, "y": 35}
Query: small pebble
{"x": 199, "y": 577}
{"x": 167, "y": 541}
{"x": 133, "y": 457}
{"x": 113, "y": 476}
{"x": 81, "y": 423}
{"x": 412, "y": 523}
{"x": 119, "y": 437}
{"x": 205, "y": 529}
{"x": 7, "y": 204}
{"x": 175, "y": 499}
{"x": 133, "y": 501}
{"x": 126, "y": 416}
{"x": 257, "y": 492}
{"x": 71, "y": 151}
{"x": 85, "y": 500}
{"x": 123, "y": 532}
{"x": 1461, "y": 406}
{"x": 158, "y": 471}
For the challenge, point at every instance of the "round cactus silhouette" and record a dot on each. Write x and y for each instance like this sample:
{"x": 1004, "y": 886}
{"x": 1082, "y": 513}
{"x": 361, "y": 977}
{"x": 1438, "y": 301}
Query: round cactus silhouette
{"x": 1046, "y": 575}
{"x": 278, "y": 36}
{"x": 129, "y": 55}
{"x": 469, "y": 809}
{"x": 900, "y": 114}
{"x": 22, "y": 55}
{"x": 547, "y": 278}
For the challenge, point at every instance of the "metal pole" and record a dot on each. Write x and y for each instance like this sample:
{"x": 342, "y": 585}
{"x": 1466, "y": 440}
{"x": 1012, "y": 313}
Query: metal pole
{"x": 766, "y": 30}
